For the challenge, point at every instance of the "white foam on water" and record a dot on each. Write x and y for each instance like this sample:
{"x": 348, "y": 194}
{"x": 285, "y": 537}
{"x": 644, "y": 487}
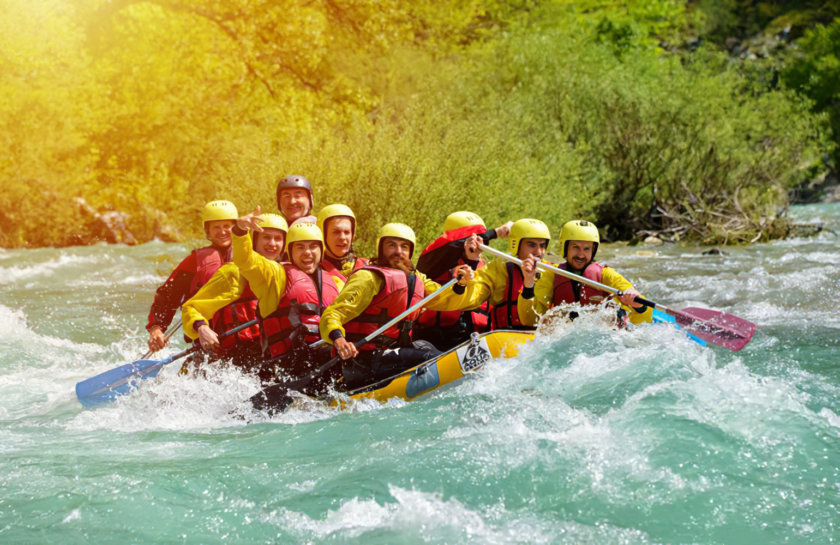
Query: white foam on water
{"x": 821, "y": 258}
{"x": 831, "y": 417}
{"x": 214, "y": 398}
{"x": 435, "y": 519}
{"x": 15, "y": 273}
{"x": 75, "y": 514}
{"x": 38, "y": 371}
{"x": 749, "y": 408}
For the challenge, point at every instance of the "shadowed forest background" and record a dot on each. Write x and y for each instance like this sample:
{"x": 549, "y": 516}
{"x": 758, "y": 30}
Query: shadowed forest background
{"x": 694, "y": 120}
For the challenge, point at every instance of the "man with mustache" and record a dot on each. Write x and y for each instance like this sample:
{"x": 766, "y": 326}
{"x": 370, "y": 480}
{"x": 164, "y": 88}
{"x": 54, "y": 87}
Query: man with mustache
{"x": 501, "y": 282}
{"x": 292, "y": 296}
{"x": 373, "y": 296}
{"x": 579, "y": 240}
{"x": 338, "y": 223}
{"x": 194, "y": 271}
{"x": 227, "y": 301}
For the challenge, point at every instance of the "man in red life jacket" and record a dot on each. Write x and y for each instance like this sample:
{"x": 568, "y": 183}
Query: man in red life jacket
{"x": 338, "y": 223}
{"x": 294, "y": 199}
{"x": 579, "y": 240}
{"x": 501, "y": 282}
{"x": 462, "y": 233}
{"x": 291, "y": 296}
{"x": 373, "y": 296}
{"x": 194, "y": 271}
{"x": 226, "y": 301}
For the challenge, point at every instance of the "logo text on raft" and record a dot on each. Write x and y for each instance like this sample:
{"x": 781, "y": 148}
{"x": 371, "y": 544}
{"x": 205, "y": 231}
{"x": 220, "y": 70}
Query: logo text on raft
{"x": 473, "y": 357}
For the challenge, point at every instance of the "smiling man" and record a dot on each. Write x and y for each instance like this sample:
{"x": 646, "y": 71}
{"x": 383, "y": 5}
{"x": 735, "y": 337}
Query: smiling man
{"x": 194, "y": 271}
{"x": 502, "y": 282}
{"x": 338, "y": 223}
{"x": 294, "y": 199}
{"x": 227, "y": 301}
{"x": 579, "y": 241}
{"x": 374, "y": 295}
{"x": 291, "y": 296}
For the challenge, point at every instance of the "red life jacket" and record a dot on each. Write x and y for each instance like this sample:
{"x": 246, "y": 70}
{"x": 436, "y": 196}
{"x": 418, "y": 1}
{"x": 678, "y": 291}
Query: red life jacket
{"x": 360, "y": 263}
{"x": 568, "y": 291}
{"x": 297, "y": 317}
{"x": 207, "y": 262}
{"x": 480, "y": 316}
{"x": 241, "y": 311}
{"x": 505, "y": 314}
{"x": 392, "y": 300}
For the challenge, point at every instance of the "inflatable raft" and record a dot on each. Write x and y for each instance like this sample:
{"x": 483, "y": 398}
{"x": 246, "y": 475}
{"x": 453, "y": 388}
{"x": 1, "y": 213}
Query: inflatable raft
{"x": 445, "y": 370}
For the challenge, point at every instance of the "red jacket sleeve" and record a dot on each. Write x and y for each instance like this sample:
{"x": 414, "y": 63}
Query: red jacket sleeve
{"x": 172, "y": 293}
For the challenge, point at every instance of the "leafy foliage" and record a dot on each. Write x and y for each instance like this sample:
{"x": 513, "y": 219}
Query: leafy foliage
{"x": 404, "y": 111}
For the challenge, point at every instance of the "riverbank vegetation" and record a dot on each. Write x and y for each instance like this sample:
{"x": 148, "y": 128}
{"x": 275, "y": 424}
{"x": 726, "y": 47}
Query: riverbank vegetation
{"x": 636, "y": 115}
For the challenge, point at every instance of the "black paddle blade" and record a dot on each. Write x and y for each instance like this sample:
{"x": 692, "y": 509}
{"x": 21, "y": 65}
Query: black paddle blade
{"x": 716, "y": 327}
{"x": 273, "y": 399}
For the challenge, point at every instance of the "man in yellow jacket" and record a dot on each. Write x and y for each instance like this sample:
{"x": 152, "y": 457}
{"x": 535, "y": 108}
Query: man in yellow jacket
{"x": 579, "y": 240}
{"x": 373, "y": 296}
{"x": 501, "y": 282}
{"x": 226, "y": 301}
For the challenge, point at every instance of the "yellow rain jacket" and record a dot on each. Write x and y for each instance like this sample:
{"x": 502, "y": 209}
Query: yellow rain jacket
{"x": 490, "y": 283}
{"x": 362, "y": 287}
{"x": 223, "y": 288}
{"x": 267, "y": 278}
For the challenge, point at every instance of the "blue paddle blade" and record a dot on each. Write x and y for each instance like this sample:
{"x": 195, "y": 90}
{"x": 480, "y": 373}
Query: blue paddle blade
{"x": 106, "y": 387}
{"x": 660, "y": 317}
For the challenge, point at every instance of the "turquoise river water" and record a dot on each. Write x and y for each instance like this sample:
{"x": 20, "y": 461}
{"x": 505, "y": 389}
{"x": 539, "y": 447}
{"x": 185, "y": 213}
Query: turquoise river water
{"x": 590, "y": 436}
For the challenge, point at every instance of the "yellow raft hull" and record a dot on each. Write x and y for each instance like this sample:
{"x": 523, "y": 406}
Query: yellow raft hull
{"x": 447, "y": 369}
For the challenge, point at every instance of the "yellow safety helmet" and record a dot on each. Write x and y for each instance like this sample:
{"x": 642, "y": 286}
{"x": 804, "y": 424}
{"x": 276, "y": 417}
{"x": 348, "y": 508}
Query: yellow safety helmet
{"x": 396, "y": 230}
{"x": 274, "y": 221}
{"x": 526, "y": 228}
{"x": 456, "y": 220}
{"x": 336, "y": 211}
{"x": 303, "y": 231}
{"x": 219, "y": 210}
{"x": 579, "y": 230}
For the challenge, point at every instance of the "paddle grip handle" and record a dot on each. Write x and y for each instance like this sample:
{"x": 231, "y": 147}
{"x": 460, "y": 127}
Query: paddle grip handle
{"x": 642, "y": 300}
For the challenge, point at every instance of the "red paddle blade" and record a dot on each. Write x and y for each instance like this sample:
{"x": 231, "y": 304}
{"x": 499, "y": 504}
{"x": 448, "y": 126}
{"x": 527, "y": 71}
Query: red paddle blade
{"x": 716, "y": 327}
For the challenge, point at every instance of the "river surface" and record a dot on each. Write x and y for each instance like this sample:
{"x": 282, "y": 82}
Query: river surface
{"x": 590, "y": 436}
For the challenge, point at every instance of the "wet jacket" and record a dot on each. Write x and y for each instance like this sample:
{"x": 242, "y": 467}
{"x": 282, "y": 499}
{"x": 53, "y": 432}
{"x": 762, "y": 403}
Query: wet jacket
{"x": 551, "y": 289}
{"x": 192, "y": 273}
{"x": 223, "y": 303}
{"x": 493, "y": 284}
{"x": 294, "y": 323}
{"x": 362, "y": 288}
{"x": 267, "y": 278}
{"x": 399, "y": 291}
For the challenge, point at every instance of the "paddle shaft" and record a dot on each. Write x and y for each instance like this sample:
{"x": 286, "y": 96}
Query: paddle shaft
{"x": 572, "y": 276}
{"x": 118, "y": 377}
{"x": 726, "y": 330}
{"x": 413, "y": 308}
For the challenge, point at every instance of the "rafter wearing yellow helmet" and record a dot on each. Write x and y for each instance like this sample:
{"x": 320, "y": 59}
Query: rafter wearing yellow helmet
{"x": 458, "y": 244}
{"x": 374, "y": 295}
{"x": 338, "y": 223}
{"x": 291, "y": 295}
{"x": 501, "y": 283}
{"x": 579, "y": 241}
{"x": 226, "y": 301}
{"x": 194, "y": 271}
